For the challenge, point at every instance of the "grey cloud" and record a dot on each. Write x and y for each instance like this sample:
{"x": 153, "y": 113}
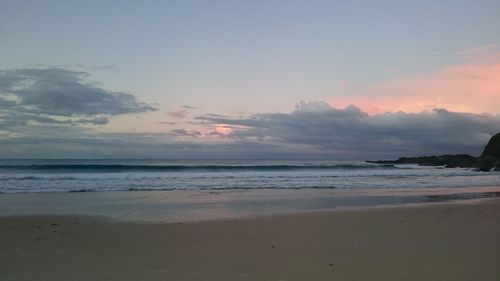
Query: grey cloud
{"x": 136, "y": 145}
{"x": 63, "y": 92}
{"x": 60, "y": 96}
{"x": 351, "y": 131}
{"x": 216, "y": 134}
{"x": 94, "y": 67}
{"x": 5, "y": 103}
{"x": 182, "y": 112}
{"x": 178, "y": 114}
{"x": 313, "y": 131}
{"x": 98, "y": 120}
{"x": 72, "y": 66}
{"x": 216, "y": 115}
{"x": 185, "y": 133}
{"x": 167, "y": 123}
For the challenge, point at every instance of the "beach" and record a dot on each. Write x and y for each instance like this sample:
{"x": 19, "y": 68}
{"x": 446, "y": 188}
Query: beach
{"x": 458, "y": 240}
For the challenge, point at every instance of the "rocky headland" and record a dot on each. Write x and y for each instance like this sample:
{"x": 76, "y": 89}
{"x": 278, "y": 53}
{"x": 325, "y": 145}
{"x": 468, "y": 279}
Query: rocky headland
{"x": 487, "y": 161}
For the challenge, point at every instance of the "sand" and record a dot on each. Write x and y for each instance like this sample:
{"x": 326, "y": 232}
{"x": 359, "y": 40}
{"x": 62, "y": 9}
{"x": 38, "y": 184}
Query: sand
{"x": 452, "y": 241}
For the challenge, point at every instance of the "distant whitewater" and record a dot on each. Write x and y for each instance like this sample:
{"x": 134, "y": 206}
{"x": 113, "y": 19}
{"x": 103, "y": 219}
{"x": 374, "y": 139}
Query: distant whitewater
{"x": 22, "y": 176}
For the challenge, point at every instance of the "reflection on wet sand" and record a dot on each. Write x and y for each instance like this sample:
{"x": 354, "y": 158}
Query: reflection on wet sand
{"x": 183, "y": 205}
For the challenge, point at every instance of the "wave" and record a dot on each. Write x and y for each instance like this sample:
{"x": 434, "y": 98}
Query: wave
{"x": 179, "y": 168}
{"x": 30, "y": 178}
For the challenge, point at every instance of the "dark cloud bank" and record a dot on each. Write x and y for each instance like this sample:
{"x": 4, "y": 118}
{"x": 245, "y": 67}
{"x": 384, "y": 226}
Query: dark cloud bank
{"x": 42, "y": 111}
{"x": 59, "y": 96}
{"x": 353, "y": 134}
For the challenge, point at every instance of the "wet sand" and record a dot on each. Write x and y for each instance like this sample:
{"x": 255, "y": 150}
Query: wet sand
{"x": 445, "y": 241}
{"x": 197, "y": 205}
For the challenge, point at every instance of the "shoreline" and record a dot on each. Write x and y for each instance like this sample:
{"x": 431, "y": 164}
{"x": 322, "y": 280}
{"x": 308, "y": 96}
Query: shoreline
{"x": 443, "y": 241}
{"x": 201, "y": 205}
{"x": 348, "y": 209}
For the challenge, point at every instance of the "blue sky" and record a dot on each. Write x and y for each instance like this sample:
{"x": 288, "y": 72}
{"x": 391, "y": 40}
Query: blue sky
{"x": 238, "y": 58}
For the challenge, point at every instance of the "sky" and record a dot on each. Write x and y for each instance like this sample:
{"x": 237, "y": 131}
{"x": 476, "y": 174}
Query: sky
{"x": 248, "y": 79}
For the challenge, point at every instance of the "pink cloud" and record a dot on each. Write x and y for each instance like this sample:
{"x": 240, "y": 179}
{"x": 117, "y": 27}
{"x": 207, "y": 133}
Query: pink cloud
{"x": 473, "y": 86}
{"x": 180, "y": 113}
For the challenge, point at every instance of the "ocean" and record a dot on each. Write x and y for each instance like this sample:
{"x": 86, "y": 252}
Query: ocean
{"x": 42, "y": 176}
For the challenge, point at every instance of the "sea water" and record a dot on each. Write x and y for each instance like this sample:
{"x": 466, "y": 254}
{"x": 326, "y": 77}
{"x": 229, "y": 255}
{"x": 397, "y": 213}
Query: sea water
{"x": 25, "y": 176}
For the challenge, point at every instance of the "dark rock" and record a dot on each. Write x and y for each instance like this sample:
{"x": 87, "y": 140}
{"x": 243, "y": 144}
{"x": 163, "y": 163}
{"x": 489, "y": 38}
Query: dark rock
{"x": 489, "y": 159}
{"x": 450, "y": 161}
{"x": 459, "y": 160}
{"x": 486, "y": 163}
{"x": 492, "y": 149}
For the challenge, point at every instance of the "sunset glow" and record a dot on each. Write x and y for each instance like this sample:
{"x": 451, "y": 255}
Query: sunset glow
{"x": 198, "y": 79}
{"x": 468, "y": 87}
{"x": 223, "y": 129}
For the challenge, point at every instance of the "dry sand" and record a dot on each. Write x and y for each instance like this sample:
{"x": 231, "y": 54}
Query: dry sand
{"x": 440, "y": 242}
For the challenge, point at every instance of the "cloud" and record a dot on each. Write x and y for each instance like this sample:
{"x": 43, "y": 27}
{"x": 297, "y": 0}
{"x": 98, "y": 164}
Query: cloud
{"x": 51, "y": 112}
{"x": 472, "y": 86}
{"x": 59, "y": 96}
{"x": 73, "y": 66}
{"x": 134, "y": 145}
{"x": 311, "y": 131}
{"x": 178, "y": 114}
{"x": 185, "y": 133}
{"x": 350, "y": 132}
{"x": 181, "y": 113}
{"x": 167, "y": 123}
